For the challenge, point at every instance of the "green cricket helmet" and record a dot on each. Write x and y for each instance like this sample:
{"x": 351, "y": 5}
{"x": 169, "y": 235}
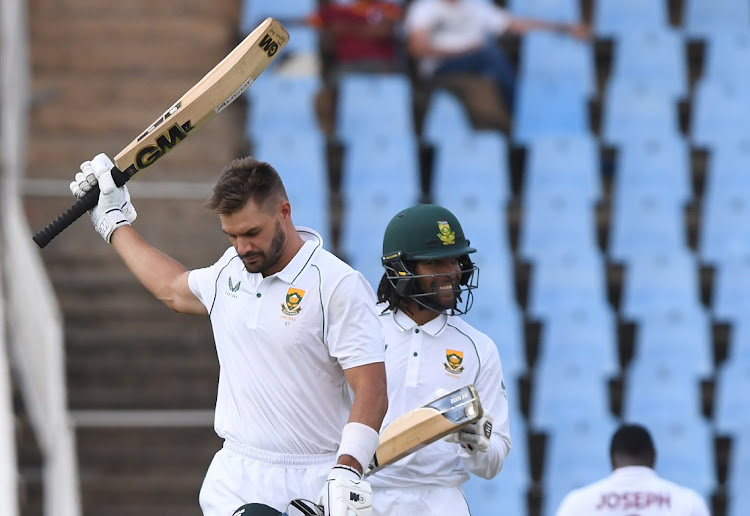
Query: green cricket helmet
{"x": 427, "y": 232}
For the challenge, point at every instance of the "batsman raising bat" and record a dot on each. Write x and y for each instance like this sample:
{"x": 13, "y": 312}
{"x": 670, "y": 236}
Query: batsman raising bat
{"x": 296, "y": 334}
{"x": 427, "y": 284}
{"x": 302, "y": 391}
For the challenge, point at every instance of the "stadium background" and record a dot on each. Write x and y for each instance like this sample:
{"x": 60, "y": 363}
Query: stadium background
{"x": 612, "y": 225}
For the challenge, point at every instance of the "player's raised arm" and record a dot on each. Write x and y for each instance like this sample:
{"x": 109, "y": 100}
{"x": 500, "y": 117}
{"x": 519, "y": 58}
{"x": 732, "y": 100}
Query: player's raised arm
{"x": 163, "y": 276}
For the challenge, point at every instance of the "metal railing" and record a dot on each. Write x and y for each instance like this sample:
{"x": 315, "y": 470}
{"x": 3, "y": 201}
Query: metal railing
{"x": 34, "y": 328}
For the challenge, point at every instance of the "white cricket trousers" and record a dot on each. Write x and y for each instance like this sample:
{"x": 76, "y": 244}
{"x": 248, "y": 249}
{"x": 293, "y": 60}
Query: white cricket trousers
{"x": 419, "y": 501}
{"x": 239, "y": 475}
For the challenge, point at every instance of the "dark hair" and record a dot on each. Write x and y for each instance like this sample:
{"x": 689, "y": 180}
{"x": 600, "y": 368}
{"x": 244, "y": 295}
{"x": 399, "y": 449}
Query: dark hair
{"x": 244, "y": 179}
{"x": 387, "y": 293}
{"x": 633, "y": 441}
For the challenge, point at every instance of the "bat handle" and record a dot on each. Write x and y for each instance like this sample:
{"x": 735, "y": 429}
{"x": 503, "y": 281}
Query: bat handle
{"x": 84, "y": 204}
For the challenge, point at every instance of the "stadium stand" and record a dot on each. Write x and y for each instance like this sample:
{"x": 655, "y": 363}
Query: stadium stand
{"x": 614, "y": 18}
{"x": 655, "y": 57}
{"x": 600, "y": 163}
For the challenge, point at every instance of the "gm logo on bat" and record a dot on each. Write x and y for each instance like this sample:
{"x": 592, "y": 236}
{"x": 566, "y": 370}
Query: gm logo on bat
{"x": 269, "y": 45}
{"x": 164, "y": 142}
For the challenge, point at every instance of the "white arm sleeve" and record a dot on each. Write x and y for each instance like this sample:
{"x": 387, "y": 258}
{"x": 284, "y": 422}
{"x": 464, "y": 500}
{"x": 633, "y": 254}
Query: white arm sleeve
{"x": 491, "y": 387}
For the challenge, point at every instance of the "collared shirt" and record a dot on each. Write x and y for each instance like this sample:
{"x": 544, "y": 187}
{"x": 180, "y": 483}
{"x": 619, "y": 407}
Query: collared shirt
{"x": 445, "y": 353}
{"x": 633, "y": 490}
{"x": 456, "y": 26}
{"x": 283, "y": 343}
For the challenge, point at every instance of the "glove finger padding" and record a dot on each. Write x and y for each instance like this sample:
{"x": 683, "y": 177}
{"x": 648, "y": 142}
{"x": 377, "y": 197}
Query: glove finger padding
{"x": 114, "y": 208}
{"x": 474, "y": 437}
{"x": 84, "y": 180}
{"x": 346, "y": 494}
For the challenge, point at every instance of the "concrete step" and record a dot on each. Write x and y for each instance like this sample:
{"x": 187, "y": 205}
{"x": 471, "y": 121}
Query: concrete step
{"x": 163, "y": 391}
{"x": 140, "y": 10}
{"x": 182, "y": 228}
{"x": 59, "y": 156}
{"x": 201, "y": 30}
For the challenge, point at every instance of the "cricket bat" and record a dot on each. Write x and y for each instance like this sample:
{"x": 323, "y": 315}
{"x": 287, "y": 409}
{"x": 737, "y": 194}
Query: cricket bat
{"x": 405, "y": 435}
{"x": 426, "y": 424}
{"x": 207, "y": 98}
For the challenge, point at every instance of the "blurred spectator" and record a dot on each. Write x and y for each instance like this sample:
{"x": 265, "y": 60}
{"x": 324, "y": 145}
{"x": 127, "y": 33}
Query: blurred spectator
{"x": 461, "y": 36}
{"x": 362, "y": 34}
{"x": 633, "y": 485}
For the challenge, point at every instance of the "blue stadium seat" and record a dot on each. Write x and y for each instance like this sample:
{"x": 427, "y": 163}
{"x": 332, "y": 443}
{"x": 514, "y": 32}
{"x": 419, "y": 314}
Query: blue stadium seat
{"x": 545, "y": 106}
{"x": 508, "y": 489}
{"x": 738, "y": 474}
{"x": 446, "y": 118}
{"x": 730, "y": 288}
{"x": 576, "y": 455}
{"x": 486, "y": 228}
{"x": 702, "y": 19}
{"x": 738, "y": 503}
{"x": 281, "y": 104}
{"x": 644, "y": 223}
{"x": 732, "y": 404}
{"x": 554, "y": 221}
{"x": 301, "y": 162}
{"x": 380, "y": 177}
{"x": 466, "y": 161}
{"x": 727, "y": 168}
{"x": 613, "y": 18}
{"x": 563, "y": 164}
{"x": 660, "y": 166}
{"x": 674, "y": 335}
{"x": 580, "y": 333}
{"x": 563, "y": 278}
{"x": 739, "y": 343}
{"x": 373, "y": 104}
{"x": 573, "y": 60}
{"x": 655, "y": 57}
{"x": 660, "y": 391}
{"x": 503, "y": 324}
{"x": 567, "y": 389}
{"x": 725, "y": 225}
{"x": 720, "y": 112}
{"x": 657, "y": 281}
{"x": 684, "y": 452}
{"x": 634, "y": 110}
{"x": 252, "y": 12}
{"x": 302, "y": 40}
{"x": 567, "y": 11}
{"x": 727, "y": 57}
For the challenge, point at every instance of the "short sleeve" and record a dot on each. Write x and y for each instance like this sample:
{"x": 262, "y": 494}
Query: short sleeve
{"x": 354, "y": 335}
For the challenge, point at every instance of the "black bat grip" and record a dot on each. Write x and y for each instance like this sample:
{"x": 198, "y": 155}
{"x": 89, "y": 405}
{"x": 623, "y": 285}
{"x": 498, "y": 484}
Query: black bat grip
{"x": 84, "y": 204}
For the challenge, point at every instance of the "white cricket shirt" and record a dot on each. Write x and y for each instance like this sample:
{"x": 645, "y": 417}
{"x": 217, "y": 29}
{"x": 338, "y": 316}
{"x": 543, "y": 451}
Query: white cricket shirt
{"x": 633, "y": 490}
{"x": 456, "y": 26}
{"x": 446, "y": 353}
{"x": 283, "y": 342}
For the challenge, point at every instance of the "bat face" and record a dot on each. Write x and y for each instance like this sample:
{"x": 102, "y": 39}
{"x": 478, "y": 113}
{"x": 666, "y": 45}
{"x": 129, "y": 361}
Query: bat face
{"x": 211, "y": 95}
{"x": 426, "y": 424}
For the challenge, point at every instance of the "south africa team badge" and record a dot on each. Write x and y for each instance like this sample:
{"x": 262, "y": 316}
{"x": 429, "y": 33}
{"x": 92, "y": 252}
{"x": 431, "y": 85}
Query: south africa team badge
{"x": 453, "y": 361}
{"x": 291, "y": 303}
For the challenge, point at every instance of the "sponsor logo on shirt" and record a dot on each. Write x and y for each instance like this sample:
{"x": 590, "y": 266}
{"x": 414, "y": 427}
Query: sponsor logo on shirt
{"x": 232, "y": 292}
{"x": 446, "y": 235}
{"x": 453, "y": 361}
{"x": 291, "y": 305}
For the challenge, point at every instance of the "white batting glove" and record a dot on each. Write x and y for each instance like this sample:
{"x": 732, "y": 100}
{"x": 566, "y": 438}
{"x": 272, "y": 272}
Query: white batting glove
{"x": 345, "y": 493}
{"x": 114, "y": 208}
{"x": 474, "y": 437}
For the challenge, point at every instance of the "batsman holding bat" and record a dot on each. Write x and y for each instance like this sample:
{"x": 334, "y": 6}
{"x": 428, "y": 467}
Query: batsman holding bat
{"x": 302, "y": 385}
{"x": 428, "y": 282}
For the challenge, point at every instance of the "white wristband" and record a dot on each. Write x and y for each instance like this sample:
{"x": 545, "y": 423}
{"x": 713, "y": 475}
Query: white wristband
{"x": 359, "y": 441}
